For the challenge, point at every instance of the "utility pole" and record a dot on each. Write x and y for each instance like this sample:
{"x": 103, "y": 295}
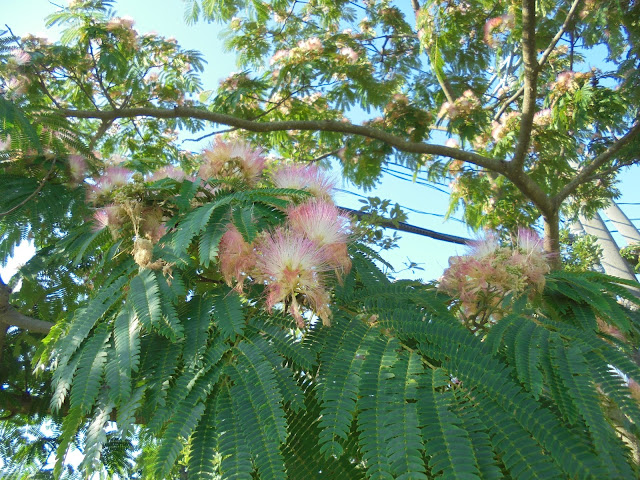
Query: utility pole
{"x": 612, "y": 262}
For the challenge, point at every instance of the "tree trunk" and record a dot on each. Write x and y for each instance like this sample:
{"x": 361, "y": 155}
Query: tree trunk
{"x": 552, "y": 239}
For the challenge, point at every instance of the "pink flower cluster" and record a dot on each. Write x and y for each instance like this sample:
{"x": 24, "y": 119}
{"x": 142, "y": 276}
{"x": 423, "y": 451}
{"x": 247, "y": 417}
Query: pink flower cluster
{"x": 236, "y": 159}
{"x": 113, "y": 178}
{"x": 507, "y": 123}
{"x": 462, "y": 106}
{"x": 292, "y": 260}
{"x": 486, "y": 277}
{"x": 569, "y": 81}
{"x": 494, "y": 25}
{"x": 77, "y": 168}
{"x": 349, "y": 54}
{"x": 304, "y": 177}
{"x": 110, "y": 217}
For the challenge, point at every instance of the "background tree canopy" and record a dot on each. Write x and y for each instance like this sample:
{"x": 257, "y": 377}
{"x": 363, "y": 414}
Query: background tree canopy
{"x": 215, "y": 315}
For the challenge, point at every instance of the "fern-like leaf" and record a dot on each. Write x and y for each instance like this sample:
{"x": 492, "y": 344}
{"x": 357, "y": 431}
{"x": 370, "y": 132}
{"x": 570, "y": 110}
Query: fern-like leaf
{"x": 263, "y": 430}
{"x": 446, "y": 444}
{"x": 203, "y": 459}
{"x": 341, "y": 361}
{"x": 144, "y": 298}
{"x": 405, "y": 443}
{"x": 197, "y": 329}
{"x": 228, "y": 316}
{"x": 373, "y": 407}
{"x": 126, "y": 334}
{"x": 96, "y": 438}
{"x": 70, "y": 425}
{"x": 85, "y": 388}
{"x": 176, "y": 435}
{"x": 232, "y": 444}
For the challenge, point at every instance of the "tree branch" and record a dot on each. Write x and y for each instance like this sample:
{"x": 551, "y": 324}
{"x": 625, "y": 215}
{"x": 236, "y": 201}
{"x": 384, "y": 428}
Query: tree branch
{"x": 395, "y": 141}
{"x": 563, "y": 29}
{"x": 35, "y": 192}
{"x": 545, "y": 55}
{"x": 530, "y": 87}
{"x": 596, "y": 163}
{"x": 444, "y": 84}
{"x": 11, "y": 317}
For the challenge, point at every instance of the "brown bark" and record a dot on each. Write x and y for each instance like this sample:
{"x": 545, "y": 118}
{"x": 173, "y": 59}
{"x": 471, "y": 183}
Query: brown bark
{"x": 10, "y": 316}
{"x": 552, "y": 238}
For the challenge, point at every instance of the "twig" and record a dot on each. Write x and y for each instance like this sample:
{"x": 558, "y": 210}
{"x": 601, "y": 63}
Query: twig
{"x": 322, "y": 157}
{"x": 217, "y": 132}
{"x": 37, "y": 190}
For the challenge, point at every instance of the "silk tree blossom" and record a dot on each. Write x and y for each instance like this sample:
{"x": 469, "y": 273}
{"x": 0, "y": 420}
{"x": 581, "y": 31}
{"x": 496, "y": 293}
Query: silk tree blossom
{"x": 17, "y": 86}
{"x": 5, "y": 144}
{"x": 122, "y": 22}
{"x": 235, "y": 159}
{"x": 167, "y": 172}
{"x": 113, "y": 178}
{"x": 508, "y": 122}
{"x": 543, "y": 118}
{"x": 279, "y": 56}
{"x": 483, "y": 279}
{"x": 19, "y": 57}
{"x": 304, "y": 177}
{"x": 536, "y": 261}
{"x": 110, "y": 216}
{"x": 322, "y": 223}
{"x": 350, "y": 54}
{"x": 313, "y": 44}
{"x": 291, "y": 265}
{"x": 77, "y": 168}
{"x": 452, "y": 143}
{"x": 237, "y": 258}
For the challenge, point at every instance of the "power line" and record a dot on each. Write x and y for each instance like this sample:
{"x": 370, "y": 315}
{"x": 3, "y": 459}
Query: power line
{"x": 406, "y": 227}
{"x": 420, "y": 212}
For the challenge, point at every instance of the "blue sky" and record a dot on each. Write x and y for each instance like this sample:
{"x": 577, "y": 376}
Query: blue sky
{"x": 166, "y": 18}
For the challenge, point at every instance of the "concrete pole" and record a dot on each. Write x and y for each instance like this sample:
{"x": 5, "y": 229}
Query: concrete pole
{"x": 612, "y": 262}
{"x": 627, "y": 229}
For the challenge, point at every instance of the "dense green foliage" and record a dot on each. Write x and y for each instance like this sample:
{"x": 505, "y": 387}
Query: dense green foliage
{"x": 131, "y": 344}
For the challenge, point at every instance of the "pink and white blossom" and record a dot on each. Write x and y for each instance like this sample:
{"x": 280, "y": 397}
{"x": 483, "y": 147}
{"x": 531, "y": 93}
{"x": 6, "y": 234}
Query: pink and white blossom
{"x": 304, "y": 177}
{"x": 237, "y": 258}
{"x": 291, "y": 265}
{"x": 5, "y": 144}
{"x": 113, "y": 178}
{"x": 77, "y": 168}
{"x": 109, "y": 216}
{"x": 350, "y": 54}
{"x": 322, "y": 223}
{"x": 452, "y": 143}
{"x": 19, "y": 56}
{"x": 313, "y": 44}
{"x": 235, "y": 159}
{"x": 167, "y": 172}
{"x": 483, "y": 279}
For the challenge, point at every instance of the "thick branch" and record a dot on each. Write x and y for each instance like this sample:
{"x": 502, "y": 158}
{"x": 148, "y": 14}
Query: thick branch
{"x": 9, "y": 316}
{"x": 530, "y": 81}
{"x": 596, "y": 163}
{"x": 14, "y": 318}
{"x": 545, "y": 56}
{"x": 308, "y": 125}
